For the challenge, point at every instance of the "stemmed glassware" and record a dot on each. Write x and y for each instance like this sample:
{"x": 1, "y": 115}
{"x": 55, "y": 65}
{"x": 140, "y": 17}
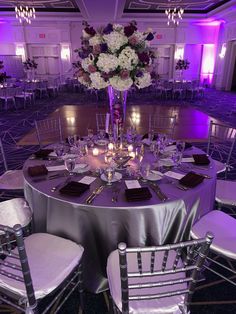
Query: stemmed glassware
{"x": 145, "y": 171}
{"x": 59, "y": 151}
{"x": 109, "y": 174}
{"x": 70, "y": 164}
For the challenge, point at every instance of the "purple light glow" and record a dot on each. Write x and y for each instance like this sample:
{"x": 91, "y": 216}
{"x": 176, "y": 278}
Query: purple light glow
{"x": 210, "y": 22}
{"x": 208, "y": 62}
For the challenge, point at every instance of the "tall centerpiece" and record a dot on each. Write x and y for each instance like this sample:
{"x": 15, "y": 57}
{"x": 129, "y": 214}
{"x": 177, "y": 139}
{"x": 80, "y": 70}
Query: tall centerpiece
{"x": 115, "y": 57}
{"x": 30, "y": 66}
{"x": 182, "y": 65}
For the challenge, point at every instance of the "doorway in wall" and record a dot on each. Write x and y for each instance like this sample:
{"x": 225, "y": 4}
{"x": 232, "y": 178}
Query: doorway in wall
{"x": 233, "y": 86}
{"x": 47, "y": 58}
{"x": 164, "y": 61}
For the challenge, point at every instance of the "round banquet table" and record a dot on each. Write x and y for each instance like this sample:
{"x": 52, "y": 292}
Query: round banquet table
{"x": 99, "y": 227}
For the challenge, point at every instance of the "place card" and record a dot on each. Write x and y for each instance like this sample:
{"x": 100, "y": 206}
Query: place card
{"x": 56, "y": 168}
{"x": 87, "y": 180}
{"x": 174, "y": 175}
{"x": 132, "y": 184}
{"x": 187, "y": 159}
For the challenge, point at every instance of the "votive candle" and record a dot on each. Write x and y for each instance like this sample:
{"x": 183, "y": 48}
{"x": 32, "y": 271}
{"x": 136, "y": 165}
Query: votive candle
{"x": 130, "y": 148}
{"x": 95, "y": 152}
{"x": 132, "y": 155}
{"x": 110, "y": 146}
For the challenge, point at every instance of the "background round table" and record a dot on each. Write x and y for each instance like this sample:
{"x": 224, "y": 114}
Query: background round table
{"x": 99, "y": 227}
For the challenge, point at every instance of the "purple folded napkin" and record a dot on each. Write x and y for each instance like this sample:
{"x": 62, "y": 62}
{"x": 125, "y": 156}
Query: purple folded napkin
{"x": 39, "y": 170}
{"x": 42, "y": 153}
{"x": 74, "y": 188}
{"x": 201, "y": 159}
{"x": 138, "y": 194}
{"x": 191, "y": 180}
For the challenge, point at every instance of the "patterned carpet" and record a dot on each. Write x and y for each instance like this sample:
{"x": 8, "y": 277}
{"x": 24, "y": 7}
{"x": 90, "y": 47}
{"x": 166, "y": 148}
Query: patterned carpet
{"x": 209, "y": 298}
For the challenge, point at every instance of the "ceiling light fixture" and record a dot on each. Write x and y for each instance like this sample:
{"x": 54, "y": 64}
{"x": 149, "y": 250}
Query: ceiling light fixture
{"x": 25, "y": 13}
{"x": 174, "y": 14}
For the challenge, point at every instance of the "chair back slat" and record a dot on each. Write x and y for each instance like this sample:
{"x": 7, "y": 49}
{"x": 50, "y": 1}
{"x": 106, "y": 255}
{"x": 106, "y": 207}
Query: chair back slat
{"x": 139, "y": 261}
{"x": 49, "y": 129}
{"x": 162, "y": 124}
{"x": 176, "y": 261}
{"x": 3, "y": 156}
{"x": 172, "y": 263}
{"x": 165, "y": 258}
{"x": 152, "y": 262}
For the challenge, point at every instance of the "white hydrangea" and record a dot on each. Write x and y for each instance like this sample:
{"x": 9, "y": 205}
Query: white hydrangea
{"x": 97, "y": 81}
{"x": 128, "y": 59}
{"x": 95, "y": 40}
{"x": 82, "y": 81}
{"x": 144, "y": 81}
{"x": 86, "y": 62}
{"x": 115, "y": 40}
{"x": 107, "y": 62}
{"x": 120, "y": 84}
{"x": 139, "y": 35}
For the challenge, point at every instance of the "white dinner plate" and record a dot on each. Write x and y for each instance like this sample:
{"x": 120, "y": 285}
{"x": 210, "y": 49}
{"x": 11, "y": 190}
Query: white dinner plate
{"x": 154, "y": 175}
{"x": 167, "y": 162}
{"x": 117, "y": 177}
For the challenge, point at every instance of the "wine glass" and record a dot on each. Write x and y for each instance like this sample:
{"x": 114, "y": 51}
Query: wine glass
{"x": 90, "y": 134}
{"x": 176, "y": 157}
{"x": 101, "y": 134}
{"x": 59, "y": 151}
{"x": 70, "y": 165}
{"x": 180, "y": 146}
{"x": 109, "y": 174}
{"x": 72, "y": 139}
{"x": 145, "y": 171}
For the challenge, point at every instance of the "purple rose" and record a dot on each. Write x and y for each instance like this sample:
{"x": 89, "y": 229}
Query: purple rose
{"x": 144, "y": 57}
{"x": 129, "y": 30}
{"x": 83, "y": 54}
{"x": 104, "y": 47}
{"x": 108, "y": 29}
{"x": 149, "y": 37}
{"x": 90, "y": 30}
{"x": 124, "y": 74}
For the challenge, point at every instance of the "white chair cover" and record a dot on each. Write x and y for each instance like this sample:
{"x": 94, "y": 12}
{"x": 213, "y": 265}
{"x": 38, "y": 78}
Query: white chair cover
{"x": 51, "y": 260}
{"x": 15, "y": 211}
{"x": 12, "y": 180}
{"x": 223, "y": 228}
{"x": 170, "y": 305}
{"x": 226, "y": 192}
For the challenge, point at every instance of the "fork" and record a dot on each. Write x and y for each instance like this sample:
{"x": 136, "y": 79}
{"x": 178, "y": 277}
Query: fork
{"x": 115, "y": 193}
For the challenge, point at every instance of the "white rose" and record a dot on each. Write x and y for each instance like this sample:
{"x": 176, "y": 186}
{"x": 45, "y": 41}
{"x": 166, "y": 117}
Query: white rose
{"x": 86, "y": 62}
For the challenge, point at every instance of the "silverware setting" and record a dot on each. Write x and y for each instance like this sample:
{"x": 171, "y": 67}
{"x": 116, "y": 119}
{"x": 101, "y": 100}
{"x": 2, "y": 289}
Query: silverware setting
{"x": 158, "y": 192}
{"x": 187, "y": 169}
{"x": 94, "y": 194}
{"x": 115, "y": 194}
{"x": 58, "y": 186}
{"x": 52, "y": 177}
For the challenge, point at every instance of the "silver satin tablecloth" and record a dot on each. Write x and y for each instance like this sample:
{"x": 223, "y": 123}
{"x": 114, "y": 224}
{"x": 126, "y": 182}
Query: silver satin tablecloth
{"x": 101, "y": 226}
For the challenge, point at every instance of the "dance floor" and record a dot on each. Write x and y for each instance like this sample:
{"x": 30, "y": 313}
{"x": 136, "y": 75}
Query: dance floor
{"x": 192, "y": 124}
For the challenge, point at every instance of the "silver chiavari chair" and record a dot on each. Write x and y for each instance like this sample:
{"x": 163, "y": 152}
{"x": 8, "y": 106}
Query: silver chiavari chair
{"x": 20, "y": 94}
{"x": 35, "y": 267}
{"x": 144, "y": 279}
{"x": 48, "y": 131}
{"x": 162, "y": 124}
{"x": 221, "y": 141}
{"x": 42, "y": 88}
{"x": 8, "y": 95}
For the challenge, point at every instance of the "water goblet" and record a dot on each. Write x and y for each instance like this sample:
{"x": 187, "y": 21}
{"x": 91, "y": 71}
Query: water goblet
{"x": 70, "y": 164}
{"x": 72, "y": 140}
{"x": 180, "y": 146}
{"x": 101, "y": 134}
{"x": 145, "y": 171}
{"x": 59, "y": 151}
{"x": 176, "y": 157}
{"x": 109, "y": 173}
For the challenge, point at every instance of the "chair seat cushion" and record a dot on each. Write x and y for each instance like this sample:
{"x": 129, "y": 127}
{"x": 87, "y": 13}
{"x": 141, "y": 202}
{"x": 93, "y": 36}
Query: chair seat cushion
{"x": 223, "y": 228}
{"x": 12, "y": 180}
{"x": 220, "y": 166}
{"x": 51, "y": 260}
{"x": 158, "y": 306}
{"x": 15, "y": 211}
{"x": 226, "y": 192}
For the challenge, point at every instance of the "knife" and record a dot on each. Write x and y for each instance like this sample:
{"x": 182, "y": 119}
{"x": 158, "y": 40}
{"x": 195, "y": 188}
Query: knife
{"x": 60, "y": 184}
{"x": 96, "y": 192}
{"x": 159, "y": 192}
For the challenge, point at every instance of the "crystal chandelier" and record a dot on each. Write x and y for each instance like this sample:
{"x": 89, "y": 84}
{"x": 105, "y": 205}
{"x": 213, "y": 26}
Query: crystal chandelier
{"x": 25, "y": 13}
{"x": 174, "y": 15}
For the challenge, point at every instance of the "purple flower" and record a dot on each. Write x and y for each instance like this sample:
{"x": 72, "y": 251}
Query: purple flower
{"x": 149, "y": 37}
{"x": 108, "y": 29}
{"x": 139, "y": 74}
{"x": 90, "y": 30}
{"x": 104, "y": 47}
{"x": 83, "y": 54}
{"x": 144, "y": 57}
{"x": 129, "y": 30}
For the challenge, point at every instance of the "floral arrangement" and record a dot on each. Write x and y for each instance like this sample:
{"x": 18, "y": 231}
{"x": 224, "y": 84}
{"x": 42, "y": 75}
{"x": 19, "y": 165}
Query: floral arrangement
{"x": 182, "y": 64}
{"x": 115, "y": 55}
{"x": 30, "y": 64}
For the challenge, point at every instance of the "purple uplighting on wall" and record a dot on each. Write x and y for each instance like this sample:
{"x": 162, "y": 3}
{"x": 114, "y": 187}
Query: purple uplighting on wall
{"x": 208, "y": 62}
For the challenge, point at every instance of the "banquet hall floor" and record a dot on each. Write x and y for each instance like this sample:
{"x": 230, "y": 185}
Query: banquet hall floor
{"x": 193, "y": 116}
